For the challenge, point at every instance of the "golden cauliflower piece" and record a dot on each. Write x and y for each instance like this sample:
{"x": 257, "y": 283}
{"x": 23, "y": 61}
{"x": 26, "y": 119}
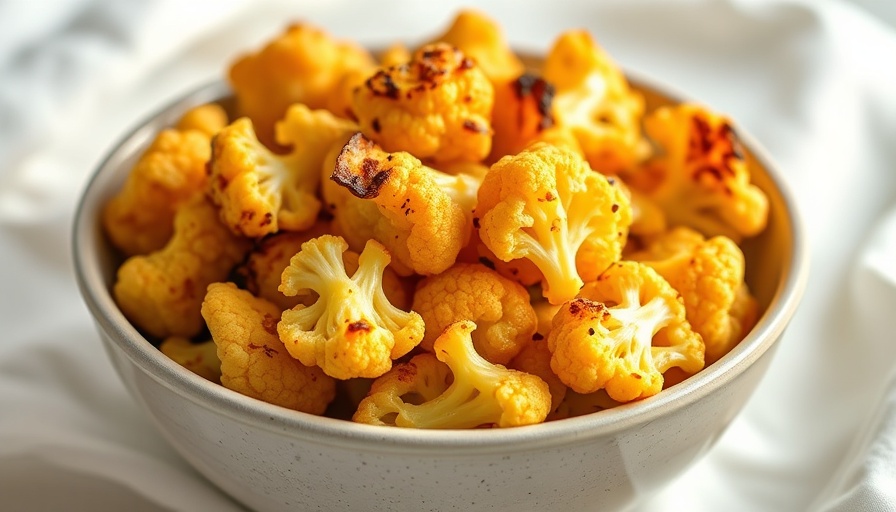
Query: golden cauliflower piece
{"x": 523, "y": 110}
{"x": 302, "y": 65}
{"x": 254, "y": 361}
{"x": 421, "y": 215}
{"x": 475, "y": 393}
{"x": 594, "y": 100}
{"x": 535, "y": 359}
{"x": 465, "y": 291}
{"x": 702, "y": 179}
{"x": 140, "y": 218}
{"x": 261, "y": 192}
{"x": 161, "y": 293}
{"x": 481, "y": 38}
{"x": 625, "y": 330}
{"x": 438, "y": 106}
{"x": 352, "y": 330}
{"x": 545, "y": 204}
{"x": 200, "y": 358}
{"x": 264, "y": 266}
{"x": 709, "y": 274}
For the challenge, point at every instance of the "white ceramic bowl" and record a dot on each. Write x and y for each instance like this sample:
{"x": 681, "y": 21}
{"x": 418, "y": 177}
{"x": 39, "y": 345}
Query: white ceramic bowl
{"x": 271, "y": 458}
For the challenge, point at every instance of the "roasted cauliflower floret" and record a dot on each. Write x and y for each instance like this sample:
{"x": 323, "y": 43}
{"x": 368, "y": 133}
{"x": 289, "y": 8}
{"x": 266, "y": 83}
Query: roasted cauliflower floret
{"x": 161, "y": 292}
{"x": 522, "y": 112}
{"x": 438, "y": 106}
{"x": 499, "y": 307}
{"x": 476, "y": 393}
{"x": 140, "y": 218}
{"x": 702, "y": 179}
{"x": 709, "y": 274}
{"x": 545, "y": 204}
{"x": 261, "y": 192}
{"x": 262, "y": 271}
{"x": 422, "y": 216}
{"x": 625, "y": 330}
{"x": 200, "y": 358}
{"x": 352, "y": 330}
{"x": 535, "y": 359}
{"x": 480, "y": 38}
{"x": 594, "y": 100}
{"x": 254, "y": 361}
{"x": 302, "y": 65}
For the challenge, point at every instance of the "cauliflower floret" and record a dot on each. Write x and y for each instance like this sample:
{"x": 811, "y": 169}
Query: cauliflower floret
{"x": 200, "y": 358}
{"x": 522, "y": 111}
{"x": 140, "y": 218}
{"x": 499, "y": 307}
{"x": 545, "y": 204}
{"x": 421, "y": 215}
{"x": 481, "y": 39}
{"x": 302, "y": 65}
{"x": 535, "y": 359}
{"x": 702, "y": 180}
{"x": 395, "y": 55}
{"x": 352, "y": 330}
{"x": 208, "y": 119}
{"x": 261, "y": 192}
{"x": 254, "y": 361}
{"x": 161, "y": 293}
{"x": 578, "y": 404}
{"x": 261, "y": 272}
{"x": 625, "y": 330}
{"x": 593, "y": 99}
{"x": 709, "y": 274}
{"x": 422, "y": 394}
{"x": 438, "y": 106}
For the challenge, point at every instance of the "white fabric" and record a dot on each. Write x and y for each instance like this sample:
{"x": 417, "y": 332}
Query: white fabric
{"x": 812, "y": 80}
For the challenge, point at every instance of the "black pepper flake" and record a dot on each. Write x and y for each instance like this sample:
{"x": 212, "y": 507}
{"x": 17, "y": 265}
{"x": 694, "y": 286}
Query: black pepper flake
{"x": 591, "y": 331}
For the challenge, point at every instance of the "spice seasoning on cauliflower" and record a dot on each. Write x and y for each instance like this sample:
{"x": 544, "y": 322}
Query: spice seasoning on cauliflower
{"x": 352, "y": 330}
{"x": 254, "y": 361}
{"x": 260, "y": 192}
{"x": 140, "y": 218}
{"x": 438, "y": 106}
{"x": 200, "y": 358}
{"x": 702, "y": 179}
{"x": 161, "y": 293}
{"x": 481, "y": 38}
{"x": 625, "y": 330}
{"x": 462, "y": 391}
{"x": 304, "y": 65}
{"x": 423, "y": 216}
{"x": 545, "y": 204}
{"x": 709, "y": 274}
{"x": 499, "y": 307}
{"x": 593, "y": 99}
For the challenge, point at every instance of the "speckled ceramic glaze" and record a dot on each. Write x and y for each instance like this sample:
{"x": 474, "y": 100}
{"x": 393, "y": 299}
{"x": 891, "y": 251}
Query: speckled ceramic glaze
{"x": 271, "y": 458}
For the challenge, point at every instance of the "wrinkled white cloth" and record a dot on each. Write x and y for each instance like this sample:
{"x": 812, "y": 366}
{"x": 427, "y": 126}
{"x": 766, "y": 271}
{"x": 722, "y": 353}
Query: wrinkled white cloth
{"x": 812, "y": 80}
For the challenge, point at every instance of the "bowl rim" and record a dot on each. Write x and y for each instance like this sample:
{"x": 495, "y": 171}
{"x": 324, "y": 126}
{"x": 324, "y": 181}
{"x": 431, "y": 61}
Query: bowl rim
{"x": 116, "y": 330}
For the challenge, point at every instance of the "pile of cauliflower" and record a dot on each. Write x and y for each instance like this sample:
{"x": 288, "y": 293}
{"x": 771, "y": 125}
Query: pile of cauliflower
{"x": 441, "y": 238}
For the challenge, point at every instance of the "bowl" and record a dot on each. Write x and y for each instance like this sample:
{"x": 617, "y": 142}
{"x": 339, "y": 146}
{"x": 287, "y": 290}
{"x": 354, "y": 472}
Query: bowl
{"x": 271, "y": 458}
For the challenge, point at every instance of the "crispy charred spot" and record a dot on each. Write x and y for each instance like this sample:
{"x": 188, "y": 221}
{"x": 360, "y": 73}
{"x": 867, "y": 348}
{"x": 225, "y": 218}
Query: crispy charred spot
{"x": 268, "y": 351}
{"x": 537, "y": 336}
{"x": 382, "y": 84}
{"x": 585, "y": 308}
{"x": 591, "y": 331}
{"x": 406, "y": 373}
{"x": 529, "y": 85}
{"x": 247, "y": 215}
{"x": 269, "y": 324}
{"x": 636, "y": 376}
{"x": 268, "y": 219}
{"x": 473, "y": 126}
{"x": 487, "y": 262}
{"x": 359, "y": 326}
{"x": 614, "y": 208}
{"x": 375, "y": 124}
{"x": 365, "y": 178}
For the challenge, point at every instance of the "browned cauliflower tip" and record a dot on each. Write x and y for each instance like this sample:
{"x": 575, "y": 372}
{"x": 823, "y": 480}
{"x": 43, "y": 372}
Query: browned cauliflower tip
{"x": 437, "y": 106}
